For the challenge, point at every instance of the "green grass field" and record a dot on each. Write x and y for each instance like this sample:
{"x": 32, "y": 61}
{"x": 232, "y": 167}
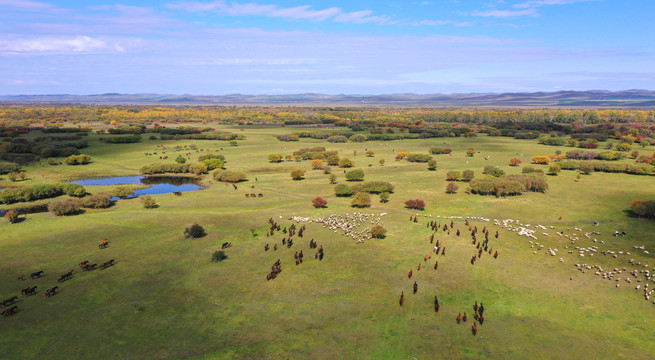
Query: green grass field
{"x": 164, "y": 299}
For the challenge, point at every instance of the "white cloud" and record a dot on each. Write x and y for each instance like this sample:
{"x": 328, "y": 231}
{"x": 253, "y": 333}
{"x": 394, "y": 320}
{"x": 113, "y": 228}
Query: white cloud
{"x": 505, "y": 13}
{"x": 539, "y": 3}
{"x": 25, "y": 4}
{"x": 361, "y": 17}
{"x": 440, "y": 22}
{"x": 78, "y": 44}
{"x": 304, "y": 12}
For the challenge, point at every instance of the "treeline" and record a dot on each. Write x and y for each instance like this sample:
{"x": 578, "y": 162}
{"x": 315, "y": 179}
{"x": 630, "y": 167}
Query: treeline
{"x": 38, "y": 192}
{"x": 508, "y": 185}
{"x": 23, "y": 151}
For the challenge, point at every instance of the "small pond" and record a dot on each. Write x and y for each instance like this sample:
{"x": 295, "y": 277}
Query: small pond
{"x": 157, "y": 184}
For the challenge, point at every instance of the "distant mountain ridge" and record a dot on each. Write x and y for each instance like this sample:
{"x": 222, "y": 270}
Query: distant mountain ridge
{"x": 590, "y": 98}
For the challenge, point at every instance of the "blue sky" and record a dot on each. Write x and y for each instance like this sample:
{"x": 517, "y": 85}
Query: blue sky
{"x": 334, "y": 47}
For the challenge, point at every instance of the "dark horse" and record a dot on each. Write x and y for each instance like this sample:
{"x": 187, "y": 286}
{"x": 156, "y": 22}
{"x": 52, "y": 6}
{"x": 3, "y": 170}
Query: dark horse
{"x": 36, "y": 275}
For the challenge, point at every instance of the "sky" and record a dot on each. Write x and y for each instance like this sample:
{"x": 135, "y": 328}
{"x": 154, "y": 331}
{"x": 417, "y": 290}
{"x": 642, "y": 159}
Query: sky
{"x": 216, "y": 47}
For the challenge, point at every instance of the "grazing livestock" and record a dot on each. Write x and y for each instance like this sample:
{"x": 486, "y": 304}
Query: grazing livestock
{"x": 415, "y": 287}
{"x": 36, "y": 275}
{"x": 459, "y": 318}
{"x": 474, "y": 329}
{"x": 11, "y": 311}
{"x": 402, "y": 298}
{"x": 8, "y": 302}
{"x": 50, "y": 292}
{"x": 29, "y": 291}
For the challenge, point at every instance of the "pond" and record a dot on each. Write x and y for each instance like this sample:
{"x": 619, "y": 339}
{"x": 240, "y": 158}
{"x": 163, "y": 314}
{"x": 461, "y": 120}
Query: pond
{"x": 157, "y": 184}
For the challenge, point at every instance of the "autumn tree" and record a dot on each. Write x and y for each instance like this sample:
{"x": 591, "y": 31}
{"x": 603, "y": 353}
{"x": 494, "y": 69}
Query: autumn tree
{"x": 514, "y": 161}
{"x": 361, "y": 200}
{"x": 451, "y": 188}
{"x": 319, "y": 202}
{"x": 297, "y": 174}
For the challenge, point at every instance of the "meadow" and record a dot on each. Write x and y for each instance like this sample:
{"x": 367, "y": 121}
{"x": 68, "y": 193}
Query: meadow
{"x": 165, "y": 299}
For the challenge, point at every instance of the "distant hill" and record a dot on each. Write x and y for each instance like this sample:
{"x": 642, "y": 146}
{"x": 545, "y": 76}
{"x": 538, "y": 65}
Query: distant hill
{"x": 591, "y": 98}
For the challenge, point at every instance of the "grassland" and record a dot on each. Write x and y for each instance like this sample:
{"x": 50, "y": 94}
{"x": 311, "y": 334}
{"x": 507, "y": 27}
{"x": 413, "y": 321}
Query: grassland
{"x": 164, "y": 299}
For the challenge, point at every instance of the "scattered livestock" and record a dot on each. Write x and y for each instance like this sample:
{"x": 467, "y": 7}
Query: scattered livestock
{"x": 8, "y": 302}
{"x": 36, "y": 275}
{"x": 50, "y": 292}
{"x": 107, "y": 264}
{"x": 11, "y": 311}
{"x": 29, "y": 291}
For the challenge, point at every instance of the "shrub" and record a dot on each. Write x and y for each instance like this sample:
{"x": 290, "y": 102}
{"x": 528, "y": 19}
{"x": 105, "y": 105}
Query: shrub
{"x": 317, "y": 164}
{"x": 355, "y": 175}
{"x": 122, "y": 139}
{"x": 180, "y": 159}
{"x": 13, "y": 176}
{"x": 419, "y": 158}
{"x": 332, "y": 160}
{"x": 275, "y": 158}
{"x": 634, "y": 154}
{"x": 81, "y": 159}
{"x": 7, "y": 167}
{"x": 342, "y": 190}
{"x": 439, "y": 151}
{"x": 72, "y": 189}
{"x": 451, "y": 188}
{"x": 218, "y": 255}
{"x": 231, "y": 176}
{"x": 233, "y": 143}
{"x": 530, "y": 170}
{"x": 358, "y": 138}
{"x": 198, "y": 169}
{"x": 212, "y": 164}
{"x": 644, "y": 208}
{"x": 370, "y": 153}
{"x": 468, "y": 175}
{"x": 470, "y": 152}
{"x": 202, "y": 158}
{"x": 381, "y": 161}
{"x": 97, "y": 201}
{"x": 148, "y": 202}
{"x": 624, "y": 147}
{"x": 416, "y": 204}
{"x": 30, "y": 193}
{"x": 432, "y": 165}
{"x": 384, "y": 197}
{"x": 297, "y": 174}
{"x": 64, "y": 207}
{"x": 11, "y": 215}
{"x": 361, "y": 200}
{"x": 514, "y": 161}
{"x": 319, "y": 202}
{"x": 194, "y": 231}
{"x": 123, "y": 191}
{"x": 346, "y": 163}
{"x": 402, "y": 155}
{"x": 453, "y": 175}
{"x": 554, "y": 169}
{"x": 544, "y": 160}
{"x": 288, "y": 137}
{"x": 586, "y": 168}
{"x": 333, "y": 179}
{"x": 337, "y": 139}
{"x": 378, "y": 231}
{"x": 493, "y": 171}
{"x": 374, "y": 187}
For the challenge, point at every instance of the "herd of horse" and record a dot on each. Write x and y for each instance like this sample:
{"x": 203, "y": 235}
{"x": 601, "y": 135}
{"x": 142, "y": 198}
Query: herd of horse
{"x": 31, "y": 290}
{"x": 482, "y": 246}
{"x": 291, "y": 231}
